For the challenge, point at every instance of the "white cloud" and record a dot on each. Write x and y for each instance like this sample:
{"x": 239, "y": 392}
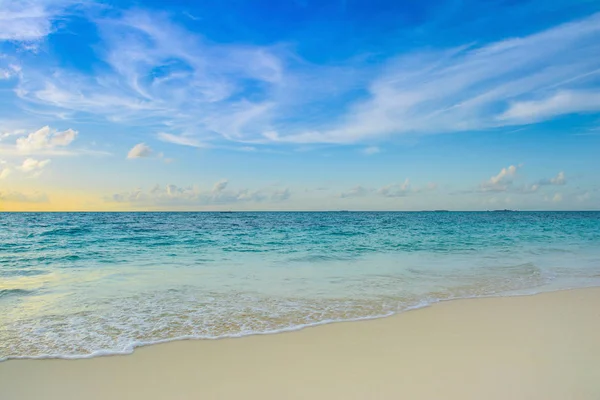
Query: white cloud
{"x": 470, "y": 88}
{"x": 192, "y": 196}
{"x": 11, "y": 71}
{"x": 30, "y": 167}
{"x": 172, "y": 79}
{"x": 164, "y": 75}
{"x": 244, "y": 195}
{"x": 357, "y": 191}
{"x": 23, "y": 21}
{"x": 371, "y": 150}
{"x": 564, "y": 102}
{"x": 405, "y": 189}
{"x": 45, "y": 139}
{"x": 31, "y": 164}
{"x": 220, "y": 186}
{"x": 395, "y": 190}
{"x": 180, "y": 139}
{"x": 502, "y": 181}
{"x": 14, "y": 132}
{"x": 281, "y": 195}
{"x": 140, "y": 150}
{"x": 504, "y": 175}
{"x": 559, "y": 179}
{"x": 29, "y": 20}
{"x": 390, "y": 191}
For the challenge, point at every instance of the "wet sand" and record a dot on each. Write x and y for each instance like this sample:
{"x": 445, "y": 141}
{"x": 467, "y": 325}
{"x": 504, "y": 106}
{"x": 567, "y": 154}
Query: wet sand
{"x": 542, "y": 347}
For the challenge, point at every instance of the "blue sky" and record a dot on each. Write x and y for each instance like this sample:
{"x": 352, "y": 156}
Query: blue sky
{"x": 294, "y": 105}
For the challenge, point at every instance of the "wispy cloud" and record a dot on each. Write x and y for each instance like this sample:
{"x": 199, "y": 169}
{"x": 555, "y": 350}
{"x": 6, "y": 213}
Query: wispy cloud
{"x": 356, "y": 191}
{"x": 471, "y": 87}
{"x": 180, "y": 139}
{"x": 564, "y": 102}
{"x": 220, "y": 194}
{"x": 11, "y": 71}
{"x": 281, "y": 194}
{"x": 395, "y": 190}
{"x": 390, "y": 191}
{"x": 220, "y": 186}
{"x": 29, "y": 20}
{"x": 161, "y": 75}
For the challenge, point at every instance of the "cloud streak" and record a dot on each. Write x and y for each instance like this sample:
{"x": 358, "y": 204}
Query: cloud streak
{"x": 29, "y": 21}
{"x": 392, "y": 190}
{"x": 472, "y": 87}
{"x": 163, "y": 76}
{"x": 563, "y": 102}
{"x": 193, "y": 196}
{"x": 24, "y": 20}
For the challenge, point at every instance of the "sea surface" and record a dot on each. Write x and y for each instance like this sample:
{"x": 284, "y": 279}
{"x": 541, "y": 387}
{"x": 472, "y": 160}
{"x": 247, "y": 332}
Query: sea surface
{"x": 84, "y": 284}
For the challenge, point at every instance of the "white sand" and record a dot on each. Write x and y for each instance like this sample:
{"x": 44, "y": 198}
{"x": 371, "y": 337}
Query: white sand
{"x": 537, "y": 347}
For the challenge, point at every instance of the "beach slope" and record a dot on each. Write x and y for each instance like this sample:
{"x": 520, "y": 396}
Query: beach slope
{"x": 543, "y": 347}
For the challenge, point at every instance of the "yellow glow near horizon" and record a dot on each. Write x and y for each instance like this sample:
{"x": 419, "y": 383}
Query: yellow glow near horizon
{"x": 62, "y": 201}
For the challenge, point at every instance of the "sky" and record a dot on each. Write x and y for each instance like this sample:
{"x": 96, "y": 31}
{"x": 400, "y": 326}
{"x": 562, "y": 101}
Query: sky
{"x": 299, "y": 105}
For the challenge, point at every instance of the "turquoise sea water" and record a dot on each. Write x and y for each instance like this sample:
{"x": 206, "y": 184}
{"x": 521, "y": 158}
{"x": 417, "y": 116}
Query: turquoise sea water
{"x": 85, "y": 284}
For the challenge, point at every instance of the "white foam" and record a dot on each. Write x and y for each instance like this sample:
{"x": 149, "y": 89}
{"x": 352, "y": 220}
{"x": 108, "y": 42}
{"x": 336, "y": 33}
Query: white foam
{"x": 132, "y": 345}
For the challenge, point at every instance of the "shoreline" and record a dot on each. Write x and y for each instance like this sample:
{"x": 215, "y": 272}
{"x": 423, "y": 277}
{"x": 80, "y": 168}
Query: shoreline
{"x": 136, "y": 346}
{"x": 541, "y": 346}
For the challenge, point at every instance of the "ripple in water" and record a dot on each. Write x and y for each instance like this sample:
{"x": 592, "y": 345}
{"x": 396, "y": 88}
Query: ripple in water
{"x": 88, "y": 284}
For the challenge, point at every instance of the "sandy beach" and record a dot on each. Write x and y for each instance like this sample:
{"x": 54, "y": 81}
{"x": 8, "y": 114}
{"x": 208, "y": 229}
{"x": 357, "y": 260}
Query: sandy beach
{"x": 543, "y": 347}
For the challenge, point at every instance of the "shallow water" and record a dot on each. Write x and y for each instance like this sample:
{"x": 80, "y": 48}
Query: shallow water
{"x": 83, "y": 284}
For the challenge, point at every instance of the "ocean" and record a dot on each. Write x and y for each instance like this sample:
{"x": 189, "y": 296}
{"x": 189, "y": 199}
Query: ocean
{"x": 77, "y": 285}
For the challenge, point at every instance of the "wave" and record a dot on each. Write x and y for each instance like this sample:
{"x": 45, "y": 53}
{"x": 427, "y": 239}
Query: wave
{"x": 313, "y": 258}
{"x": 130, "y": 347}
{"x": 126, "y": 280}
{"x": 22, "y": 272}
{"x": 14, "y": 292}
{"x": 66, "y": 231}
